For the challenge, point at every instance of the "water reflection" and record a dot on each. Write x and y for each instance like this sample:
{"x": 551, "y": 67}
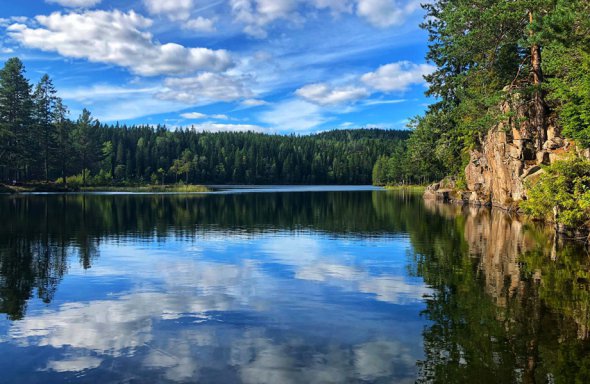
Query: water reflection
{"x": 324, "y": 287}
{"x": 293, "y": 288}
{"x": 509, "y": 304}
{"x": 37, "y": 233}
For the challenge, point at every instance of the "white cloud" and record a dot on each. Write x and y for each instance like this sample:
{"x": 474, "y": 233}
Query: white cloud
{"x": 172, "y": 9}
{"x": 200, "y": 24}
{"x": 324, "y": 94}
{"x": 253, "y": 103}
{"x": 205, "y": 87}
{"x": 194, "y": 115}
{"x": 180, "y": 10}
{"x": 118, "y": 38}
{"x": 201, "y": 116}
{"x": 397, "y": 76}
{"x": 216, "y": 127}
{"x": 74, "y": 364}
{"x": 386, "y": 13}
{"x": 296, "y": 115}
{"x": 383, "y": 102}
{"x": 336, "y": 6}
{"x": 387, "y": 78}
{"x": 257, "y": 14}
{"x": 75, "y": 3}
{"x": 311, "y": 263}
{"x": 116, "y": 103}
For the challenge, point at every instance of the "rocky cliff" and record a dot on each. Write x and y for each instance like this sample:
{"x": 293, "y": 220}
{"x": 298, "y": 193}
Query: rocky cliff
{"x": 510, "y": 156}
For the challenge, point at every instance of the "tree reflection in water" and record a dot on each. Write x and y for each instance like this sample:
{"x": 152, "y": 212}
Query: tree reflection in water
{"x": 510, "y": 302}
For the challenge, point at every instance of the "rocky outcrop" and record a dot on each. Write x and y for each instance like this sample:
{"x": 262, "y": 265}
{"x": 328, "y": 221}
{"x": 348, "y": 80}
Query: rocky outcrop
{"x": 443, "y": 191}
{"x": 510, "y": 157}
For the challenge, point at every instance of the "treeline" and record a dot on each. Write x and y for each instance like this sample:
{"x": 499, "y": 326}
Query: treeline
{"x": 487, "y": 52}
{"x": 38, "y": 142}
{"x": 161, "y": 155}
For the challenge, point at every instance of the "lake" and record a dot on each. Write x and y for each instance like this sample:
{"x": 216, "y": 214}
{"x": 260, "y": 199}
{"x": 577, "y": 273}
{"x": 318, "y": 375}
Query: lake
{"x": 288, "y": 285}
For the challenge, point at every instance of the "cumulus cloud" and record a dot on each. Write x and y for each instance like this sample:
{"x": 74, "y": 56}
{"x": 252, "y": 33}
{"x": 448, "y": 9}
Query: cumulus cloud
{"x": 75, "y": 3}
{"x": 397, "y": 76}
{"x": 201, "y": 24}
{"x": 204, "y": 87}
{"x": 115, "y": 37}
{"x": 180, "y": 10}
{"x": 172, "y": 9}
{"x": 394, "y": 77}
{"x": 324, "y": 94}
{"x": 386, "y": 13}
{"x": 256, "y": 14}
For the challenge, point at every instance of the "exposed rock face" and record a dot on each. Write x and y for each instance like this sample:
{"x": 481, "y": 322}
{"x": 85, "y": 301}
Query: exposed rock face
{"x": 443, "y": 191}
{"x": 510, "y": 156}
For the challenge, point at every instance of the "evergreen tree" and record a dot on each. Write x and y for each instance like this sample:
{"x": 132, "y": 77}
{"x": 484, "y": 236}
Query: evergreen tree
{"x": 88, "y": 147}
{"x": 45, "y": 102}
{"x": 16, "y": 146}
{"x": 63, "y": 138}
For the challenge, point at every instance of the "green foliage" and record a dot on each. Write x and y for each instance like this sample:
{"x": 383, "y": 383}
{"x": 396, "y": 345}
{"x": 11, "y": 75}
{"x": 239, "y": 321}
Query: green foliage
{"x": 16, "y": 105}
{"x": 77, "y": 181}
{"x": 102, "y": 178}
{"x": 38, "y": 141}
{"x": 429, "y": 154}
{"x": 484, "y": 51}
{"x": 565, "y": 188}
{"x": 566, "y": 33}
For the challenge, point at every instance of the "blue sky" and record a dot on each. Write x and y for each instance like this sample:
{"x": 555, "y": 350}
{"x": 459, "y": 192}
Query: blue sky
{"x": 286, "y": 66}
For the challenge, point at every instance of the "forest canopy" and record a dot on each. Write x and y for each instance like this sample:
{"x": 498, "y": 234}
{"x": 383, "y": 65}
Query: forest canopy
{"x": 486, "y": 52}
{"x": 39, "y": 142}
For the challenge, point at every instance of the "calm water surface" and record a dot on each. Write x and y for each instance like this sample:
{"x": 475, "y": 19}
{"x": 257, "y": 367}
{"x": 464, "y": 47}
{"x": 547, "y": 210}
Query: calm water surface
{"x": 288, "y": 286}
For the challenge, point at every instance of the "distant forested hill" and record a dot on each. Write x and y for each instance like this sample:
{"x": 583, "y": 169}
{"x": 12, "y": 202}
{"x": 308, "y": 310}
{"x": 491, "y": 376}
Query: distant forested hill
{"x": 139, "y": 153}
{"x": 38, "y": 142}
{"x": 364, "y": 133}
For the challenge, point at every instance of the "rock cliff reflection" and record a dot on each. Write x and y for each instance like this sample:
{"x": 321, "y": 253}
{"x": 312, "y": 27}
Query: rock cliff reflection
{"x": 358, "y": 286}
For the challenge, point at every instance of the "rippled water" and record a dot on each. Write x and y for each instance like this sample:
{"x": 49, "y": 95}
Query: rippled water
{"x": 287, "y": 286}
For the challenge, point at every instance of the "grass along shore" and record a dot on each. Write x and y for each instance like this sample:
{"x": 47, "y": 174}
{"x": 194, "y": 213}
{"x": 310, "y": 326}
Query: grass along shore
{"x": 57, "y": 187}
{"x": 406, "y": 188}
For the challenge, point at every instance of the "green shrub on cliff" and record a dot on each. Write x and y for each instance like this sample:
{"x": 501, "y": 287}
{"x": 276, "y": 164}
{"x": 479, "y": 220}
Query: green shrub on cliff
{"x": 562, "y": 194}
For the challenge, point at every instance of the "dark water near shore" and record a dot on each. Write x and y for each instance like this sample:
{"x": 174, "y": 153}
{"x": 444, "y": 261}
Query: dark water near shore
{"x": 314, "y": 286}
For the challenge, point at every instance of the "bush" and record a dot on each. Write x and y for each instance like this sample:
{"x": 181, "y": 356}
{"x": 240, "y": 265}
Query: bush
{"x": 103, "y": 178}
{"x": 562, "y": 194}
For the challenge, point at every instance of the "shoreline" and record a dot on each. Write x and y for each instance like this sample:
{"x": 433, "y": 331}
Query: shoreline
{"x": 167, "y": 188}
{"x": 59, "y": 188}
{"x": 458, "y": 198}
